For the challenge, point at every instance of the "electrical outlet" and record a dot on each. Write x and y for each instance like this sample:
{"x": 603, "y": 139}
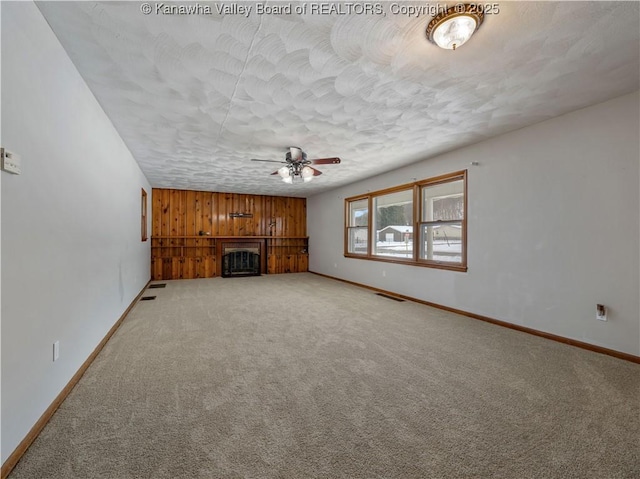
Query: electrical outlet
{"x": 601, "y": 312}
{"x": 384, "y": 273}
{"x": 56, "y": 350}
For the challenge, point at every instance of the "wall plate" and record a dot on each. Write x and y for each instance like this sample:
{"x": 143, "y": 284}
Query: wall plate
{"x": 10, "y": 162}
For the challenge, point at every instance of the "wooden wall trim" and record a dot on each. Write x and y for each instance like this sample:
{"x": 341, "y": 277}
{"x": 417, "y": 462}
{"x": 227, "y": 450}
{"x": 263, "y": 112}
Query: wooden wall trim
{"x": 37, "y": 428}
{"x": 554, "y": 337}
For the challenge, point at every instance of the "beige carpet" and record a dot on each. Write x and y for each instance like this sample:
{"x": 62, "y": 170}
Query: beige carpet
{"x": 299, "y": 376}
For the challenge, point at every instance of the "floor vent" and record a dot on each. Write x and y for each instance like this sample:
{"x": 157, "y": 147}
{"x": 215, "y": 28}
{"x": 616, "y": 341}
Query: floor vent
{"x": 147, "y": 298}
{"x": 388, "y": 296}
{"x": 159, "y": 285}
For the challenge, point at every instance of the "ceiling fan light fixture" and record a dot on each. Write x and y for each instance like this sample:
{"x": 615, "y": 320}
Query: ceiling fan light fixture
{"x": 455, "y": 26}
{"x": 297, "y": 165}
{"x": 284, "y": 172}
{"x": 307, "y": 174}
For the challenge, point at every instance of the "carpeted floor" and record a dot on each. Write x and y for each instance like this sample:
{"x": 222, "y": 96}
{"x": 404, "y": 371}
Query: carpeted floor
{"x": 299, "y": 376}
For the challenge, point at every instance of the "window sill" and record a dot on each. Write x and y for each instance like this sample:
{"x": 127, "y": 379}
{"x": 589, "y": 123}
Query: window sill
{"x": 423, "y": 264}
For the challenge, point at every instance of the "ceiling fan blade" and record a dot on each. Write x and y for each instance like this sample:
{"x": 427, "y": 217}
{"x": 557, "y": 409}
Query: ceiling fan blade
{"x": 268, "y": 161}
{"x": 316, "y": 172}
{"x": 275, "y": 172}
{"x": 325, "y": 161}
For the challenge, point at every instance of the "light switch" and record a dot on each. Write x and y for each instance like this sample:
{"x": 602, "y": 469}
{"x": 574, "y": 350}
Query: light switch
{"x": 9, "y": 162}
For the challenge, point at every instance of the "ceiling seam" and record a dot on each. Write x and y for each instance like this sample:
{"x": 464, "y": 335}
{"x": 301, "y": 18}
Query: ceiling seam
{"x": 244, "y": 67}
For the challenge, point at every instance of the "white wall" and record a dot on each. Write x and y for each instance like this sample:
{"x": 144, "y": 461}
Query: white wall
{"x": 553, "y": 228}
{"x": 72, "y": 259}
{"x": 0, "y": 222}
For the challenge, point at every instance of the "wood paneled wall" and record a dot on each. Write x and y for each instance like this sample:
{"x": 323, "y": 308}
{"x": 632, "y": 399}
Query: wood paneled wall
{"x": 190, "y": 227}
{"x": 186, "y": 213}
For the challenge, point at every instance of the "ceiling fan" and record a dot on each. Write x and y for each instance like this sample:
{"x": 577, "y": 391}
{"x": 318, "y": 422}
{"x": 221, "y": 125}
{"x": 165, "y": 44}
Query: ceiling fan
{"x": 297, "y": 165}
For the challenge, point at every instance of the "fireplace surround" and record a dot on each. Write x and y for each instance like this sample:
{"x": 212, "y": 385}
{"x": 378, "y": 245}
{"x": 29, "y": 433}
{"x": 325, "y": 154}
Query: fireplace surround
{"x": 241, "y": 259}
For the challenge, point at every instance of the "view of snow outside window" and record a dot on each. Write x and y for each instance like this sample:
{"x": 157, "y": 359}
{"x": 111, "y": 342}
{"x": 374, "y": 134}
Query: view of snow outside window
{"x": 441, "y": 226}
{"x": 440, "y": 234}
{"x": 393, "y": 223}
{"x": 358, "y": 226}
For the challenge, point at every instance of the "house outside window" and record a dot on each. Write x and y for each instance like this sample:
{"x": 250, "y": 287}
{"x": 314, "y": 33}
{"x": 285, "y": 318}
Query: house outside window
{"x": 421, "y": 223}
{"x": 393, "y": 224}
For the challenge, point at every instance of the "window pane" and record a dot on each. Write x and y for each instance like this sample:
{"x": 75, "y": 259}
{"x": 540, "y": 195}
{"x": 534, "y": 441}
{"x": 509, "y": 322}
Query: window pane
{"x": 358, "y": 214}
{"x": 442, "y": 242}
{"x": 393, "y": 224}
{"x": 358, "y": 240}
{"x": 444, "y": 202}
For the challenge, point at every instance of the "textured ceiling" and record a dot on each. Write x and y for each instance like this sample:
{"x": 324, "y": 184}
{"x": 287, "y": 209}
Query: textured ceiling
{"x": 196, "y": 96}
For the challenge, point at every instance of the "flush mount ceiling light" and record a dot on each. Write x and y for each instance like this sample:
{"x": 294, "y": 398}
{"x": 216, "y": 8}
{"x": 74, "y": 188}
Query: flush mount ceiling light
{"x": 452, "y": 28}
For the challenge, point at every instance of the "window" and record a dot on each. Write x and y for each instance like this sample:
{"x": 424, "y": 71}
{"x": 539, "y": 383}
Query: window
{"x": 393, "y": 224}
{"x": 358, "y": 226}
{"x": 385, "y": 225}
{"x": 441, "y": 225}
{"x": 143, "y": 209}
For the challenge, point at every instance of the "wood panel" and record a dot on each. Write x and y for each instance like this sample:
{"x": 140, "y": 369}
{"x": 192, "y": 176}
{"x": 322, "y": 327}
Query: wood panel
{"x": 186, "y": 213}
{"x": 181, "y": 217}
{"x": 156, "y": 268}
{"x": 209, "y": 267}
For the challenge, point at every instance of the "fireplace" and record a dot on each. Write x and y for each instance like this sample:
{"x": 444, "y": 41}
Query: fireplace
{"x": 240, "y": 260}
